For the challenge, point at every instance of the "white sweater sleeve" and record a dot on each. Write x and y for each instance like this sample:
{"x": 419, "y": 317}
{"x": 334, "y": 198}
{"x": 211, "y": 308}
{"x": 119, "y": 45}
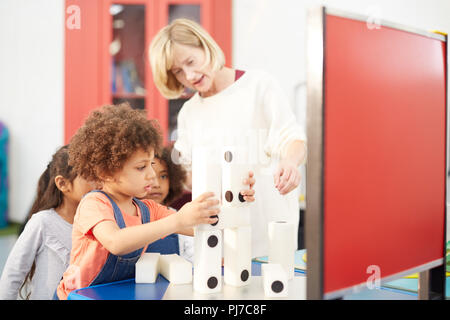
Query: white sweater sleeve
{"x": 282, "y": 125}
{"x": 21, "y": 259}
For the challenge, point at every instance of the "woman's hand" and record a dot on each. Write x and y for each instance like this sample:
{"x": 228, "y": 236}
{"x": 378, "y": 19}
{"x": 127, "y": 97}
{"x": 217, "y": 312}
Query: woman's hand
{"x": 287, "y": 177}
{"x": 201, "y": 210}
{"x": 249, "y": 194}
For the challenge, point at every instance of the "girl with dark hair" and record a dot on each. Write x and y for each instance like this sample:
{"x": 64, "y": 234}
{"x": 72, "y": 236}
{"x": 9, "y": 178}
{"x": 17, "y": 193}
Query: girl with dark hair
{"x": 169, "y": 179}
{"x": 167, "y": 187}
{"x": 41, "y": 253}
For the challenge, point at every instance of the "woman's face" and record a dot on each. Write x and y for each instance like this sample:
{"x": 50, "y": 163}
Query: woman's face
{"x": 189, "y": 68}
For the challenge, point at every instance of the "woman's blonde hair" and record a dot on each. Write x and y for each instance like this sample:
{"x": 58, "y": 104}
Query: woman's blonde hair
{"x": 185, "y": 32}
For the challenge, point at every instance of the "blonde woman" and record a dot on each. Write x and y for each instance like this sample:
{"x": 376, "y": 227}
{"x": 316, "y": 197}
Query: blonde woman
{"x": 233, "y": 107}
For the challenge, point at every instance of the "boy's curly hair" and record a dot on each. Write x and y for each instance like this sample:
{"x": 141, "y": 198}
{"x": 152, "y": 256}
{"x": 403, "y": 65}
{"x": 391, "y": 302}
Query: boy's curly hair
{"x": 176, "y": 174}
{"x": 109, "y": 136}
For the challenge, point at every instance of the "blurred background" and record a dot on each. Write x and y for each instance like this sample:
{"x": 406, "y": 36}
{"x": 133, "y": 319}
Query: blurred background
{"x": 60, "y": 59}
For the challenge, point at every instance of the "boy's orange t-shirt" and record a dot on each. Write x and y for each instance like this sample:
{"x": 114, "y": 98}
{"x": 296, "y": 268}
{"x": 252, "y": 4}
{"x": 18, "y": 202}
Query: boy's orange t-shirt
{"x": 88, "y": 255}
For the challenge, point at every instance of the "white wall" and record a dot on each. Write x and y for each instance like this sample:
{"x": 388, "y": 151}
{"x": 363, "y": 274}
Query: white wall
{"x": 31, "y": 91}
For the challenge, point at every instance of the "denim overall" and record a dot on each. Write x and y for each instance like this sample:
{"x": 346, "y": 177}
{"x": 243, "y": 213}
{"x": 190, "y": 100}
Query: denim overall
{"x": 122, "y": 267}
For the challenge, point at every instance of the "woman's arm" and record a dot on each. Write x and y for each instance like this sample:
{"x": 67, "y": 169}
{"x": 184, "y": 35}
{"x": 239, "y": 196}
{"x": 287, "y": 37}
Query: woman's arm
{"x": 295, "y": 152}
{"x": 287, "y": 176}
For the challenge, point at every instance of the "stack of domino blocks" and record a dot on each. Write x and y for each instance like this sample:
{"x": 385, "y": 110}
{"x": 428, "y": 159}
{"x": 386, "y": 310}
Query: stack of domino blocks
{"x": 222, "y": 172}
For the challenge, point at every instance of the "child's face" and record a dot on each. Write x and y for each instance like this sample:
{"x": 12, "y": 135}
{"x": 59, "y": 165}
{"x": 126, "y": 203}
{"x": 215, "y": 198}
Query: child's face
{"x": 79, "y": 187}
{"x": 134, "y": 180}
{"x": 189, "y": 69}
{"x": 160, "y": 185}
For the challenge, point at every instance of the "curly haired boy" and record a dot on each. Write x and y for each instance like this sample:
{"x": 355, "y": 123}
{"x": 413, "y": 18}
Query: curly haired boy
{"x": 116, "y": 146}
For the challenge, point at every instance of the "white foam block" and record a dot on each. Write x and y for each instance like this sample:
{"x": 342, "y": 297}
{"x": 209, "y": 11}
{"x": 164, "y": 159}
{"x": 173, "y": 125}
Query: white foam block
{"x": 237, "y": 256}
{"x": 235, "y": 169}
{"x": 175, "y": 268}
{"x": 282, "y": 245}
{"x": 207, "y": 261}
{"x": 206, "y": 177}
{"x": 275, "y": 280}
{"x": 147, "y": 267}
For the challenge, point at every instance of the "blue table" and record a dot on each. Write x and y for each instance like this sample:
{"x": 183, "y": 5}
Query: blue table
{"x": 129, "y": 290}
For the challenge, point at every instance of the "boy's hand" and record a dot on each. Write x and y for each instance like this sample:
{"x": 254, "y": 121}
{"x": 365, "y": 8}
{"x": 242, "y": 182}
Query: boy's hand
{"x": 199, "y": 211}
{"x": 249, "y": 194}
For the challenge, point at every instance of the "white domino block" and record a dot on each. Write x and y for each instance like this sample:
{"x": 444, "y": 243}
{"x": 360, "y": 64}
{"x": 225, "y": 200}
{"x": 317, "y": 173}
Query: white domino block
{"x": 233, "y": 217}
{"x": 147, "y": 267}
{"x": 176, "y": 269}
{"x": 282, "y": 245}
{"x": 206, "y": 177}
{"x": 235, "y": 168}
{"x": 207, "y": 261}
{"x": 237, "y": 256}
{"x": 275, "y": 280}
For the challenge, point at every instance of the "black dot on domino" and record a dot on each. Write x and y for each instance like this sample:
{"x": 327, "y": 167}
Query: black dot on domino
{"x": 215, "y": 223}
{"x": 212, "y": 241}
{"x": 229, "y": 196}
{"x": 228, "y": 156}
{"x": 241, "y": 197}
{"x": 277, "y": 286}
{"x": 212, "y": 282}
{"x": 244, "y": 275}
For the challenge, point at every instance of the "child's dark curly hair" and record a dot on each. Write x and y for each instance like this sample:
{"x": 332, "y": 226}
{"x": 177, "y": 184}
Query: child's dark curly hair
{"x": 176, "y": 174}
{"x": 110, "y": 135}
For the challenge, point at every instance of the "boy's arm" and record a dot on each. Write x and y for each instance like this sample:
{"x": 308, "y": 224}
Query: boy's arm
{"x": 187, "y": 232}
{"x": 122, "y": 241}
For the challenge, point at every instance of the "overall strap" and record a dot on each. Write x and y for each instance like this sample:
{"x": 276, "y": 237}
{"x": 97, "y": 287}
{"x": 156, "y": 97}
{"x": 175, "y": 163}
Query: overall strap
{"x": 117, "y": 213}
{"x": 145, "y": 212}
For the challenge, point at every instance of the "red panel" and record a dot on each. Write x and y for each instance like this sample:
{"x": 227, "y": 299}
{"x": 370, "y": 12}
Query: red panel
{"x": 81, "y": 66}
{"x": 221, "y": 11}
{"x": 384, "y": 158}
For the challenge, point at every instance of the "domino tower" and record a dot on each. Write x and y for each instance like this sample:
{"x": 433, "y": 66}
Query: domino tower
{"x": 222, "y": 172}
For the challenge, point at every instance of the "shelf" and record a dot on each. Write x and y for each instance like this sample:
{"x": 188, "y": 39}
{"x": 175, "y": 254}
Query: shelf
{"x": 128, "y": 96}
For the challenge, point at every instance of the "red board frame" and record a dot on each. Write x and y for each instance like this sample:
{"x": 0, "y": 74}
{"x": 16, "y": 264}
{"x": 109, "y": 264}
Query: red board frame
{"x": 383, "y": 159}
